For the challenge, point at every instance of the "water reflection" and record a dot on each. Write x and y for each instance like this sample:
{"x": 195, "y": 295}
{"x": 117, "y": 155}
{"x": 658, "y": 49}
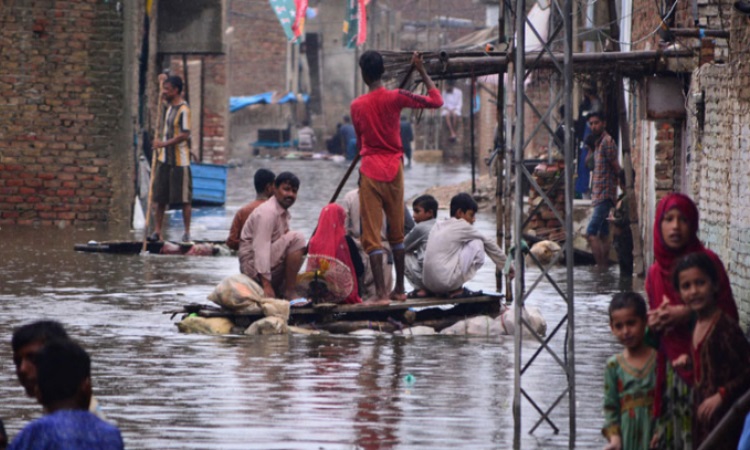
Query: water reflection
{"x": 167, "y": 390}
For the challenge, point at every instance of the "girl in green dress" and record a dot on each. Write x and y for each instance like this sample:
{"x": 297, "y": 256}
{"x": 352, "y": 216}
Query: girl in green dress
{"x": 629, "y": 377}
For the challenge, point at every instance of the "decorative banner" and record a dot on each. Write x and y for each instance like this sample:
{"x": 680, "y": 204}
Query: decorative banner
{"x": 355, "y": 23}
{"x": 285, "y": 10}
{"x": 299, "y": 18}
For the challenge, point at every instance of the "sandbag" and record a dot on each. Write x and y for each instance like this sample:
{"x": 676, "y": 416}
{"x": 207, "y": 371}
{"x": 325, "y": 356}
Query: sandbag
{"x": 475, "y": 326}
{"x": 275, "y": 308}
{"x": 237, "y": 292}
{"x": 419, "y": 330}
{"x": 205, "y": 325}
{"x": 533, "y": 316}
{"x": 545, "y": 251}
{"x": 266, "y": 326}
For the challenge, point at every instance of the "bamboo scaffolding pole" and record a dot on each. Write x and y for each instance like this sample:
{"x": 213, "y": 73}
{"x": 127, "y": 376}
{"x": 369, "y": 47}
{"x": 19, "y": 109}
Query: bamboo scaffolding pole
{"x": 454, "y": 65}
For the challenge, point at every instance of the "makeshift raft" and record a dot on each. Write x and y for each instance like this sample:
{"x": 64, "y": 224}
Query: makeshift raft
{"x": 194, "y": 248}
{"x": 437, "y": 313}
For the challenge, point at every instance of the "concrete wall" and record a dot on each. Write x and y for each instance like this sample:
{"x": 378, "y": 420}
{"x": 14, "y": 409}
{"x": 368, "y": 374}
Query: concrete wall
{"x": 65, "y": 142}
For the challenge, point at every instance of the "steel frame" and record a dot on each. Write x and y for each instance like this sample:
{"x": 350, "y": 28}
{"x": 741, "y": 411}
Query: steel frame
{"x": 564, "y": 10}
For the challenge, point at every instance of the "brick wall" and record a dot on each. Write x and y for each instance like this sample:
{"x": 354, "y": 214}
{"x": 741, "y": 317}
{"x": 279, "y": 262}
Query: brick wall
{"x": 720, "y": 160}
{"x": 63, "y": 153}
{"x": 257, "y": 49}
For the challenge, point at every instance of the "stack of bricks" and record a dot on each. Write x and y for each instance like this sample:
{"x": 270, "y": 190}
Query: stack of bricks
{"x": 544, "y": 223}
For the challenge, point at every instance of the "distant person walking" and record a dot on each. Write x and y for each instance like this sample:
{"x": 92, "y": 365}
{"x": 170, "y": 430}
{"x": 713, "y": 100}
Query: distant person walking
{"x": 407, "y": 136}
{"x": 173, "y": 182}
{"x": 375, "y": 116}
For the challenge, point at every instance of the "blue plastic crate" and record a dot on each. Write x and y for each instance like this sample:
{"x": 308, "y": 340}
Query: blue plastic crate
{"x": 209, "y": 183}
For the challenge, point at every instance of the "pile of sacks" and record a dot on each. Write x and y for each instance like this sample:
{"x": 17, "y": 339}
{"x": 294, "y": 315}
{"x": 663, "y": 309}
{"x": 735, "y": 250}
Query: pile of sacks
{"x": 240, "y": 295}
{"x": 504, "y": 324}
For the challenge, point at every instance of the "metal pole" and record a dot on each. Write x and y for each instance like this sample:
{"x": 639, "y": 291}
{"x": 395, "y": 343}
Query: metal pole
{"x": 569, "y": 194}
{"x": 518, "y": 162}
{"x": 473, "y": 92}
{"x": 500, "y": 152}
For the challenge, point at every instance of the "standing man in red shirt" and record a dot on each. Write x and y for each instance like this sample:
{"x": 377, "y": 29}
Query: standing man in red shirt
{"x": 376, "y": 119}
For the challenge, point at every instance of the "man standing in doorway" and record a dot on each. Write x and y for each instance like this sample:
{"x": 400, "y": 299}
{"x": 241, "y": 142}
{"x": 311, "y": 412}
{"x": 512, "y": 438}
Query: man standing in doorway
{"x": 607, "y": 170}
{"x": 173, "y": 183}
{"x": 376, "y": 119}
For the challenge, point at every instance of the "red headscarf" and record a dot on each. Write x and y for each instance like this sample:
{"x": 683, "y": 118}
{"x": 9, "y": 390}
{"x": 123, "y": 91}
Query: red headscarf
{"x": 676, "y": 341}
{"x": 330, "y": 240}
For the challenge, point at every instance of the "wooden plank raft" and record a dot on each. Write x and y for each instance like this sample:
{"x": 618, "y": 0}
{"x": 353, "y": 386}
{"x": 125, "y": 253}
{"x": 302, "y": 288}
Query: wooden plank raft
{"x": 133, "y": 247}
{"x": 435, "y": 312}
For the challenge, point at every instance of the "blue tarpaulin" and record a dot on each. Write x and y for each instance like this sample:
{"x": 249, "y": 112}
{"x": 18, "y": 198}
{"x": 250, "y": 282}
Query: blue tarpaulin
{"x": 237, "y": 103}
{"x": 266, "y": 98}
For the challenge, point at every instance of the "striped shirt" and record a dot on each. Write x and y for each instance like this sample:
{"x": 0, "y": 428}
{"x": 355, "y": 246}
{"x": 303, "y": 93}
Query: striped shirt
{"x": 604, "y": 178}
{"x": 176, "y": 122}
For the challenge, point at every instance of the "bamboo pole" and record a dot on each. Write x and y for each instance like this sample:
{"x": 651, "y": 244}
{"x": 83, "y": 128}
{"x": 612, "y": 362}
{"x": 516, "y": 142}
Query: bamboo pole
{"x": 465, "y": 65}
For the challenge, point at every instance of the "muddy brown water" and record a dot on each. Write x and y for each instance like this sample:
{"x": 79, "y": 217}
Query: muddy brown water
{"x": 169, "y": 390}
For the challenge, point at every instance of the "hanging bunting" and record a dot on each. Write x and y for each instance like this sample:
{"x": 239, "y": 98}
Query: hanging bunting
{"x": 355, "y": 23}
{"x": 299, "y": 18}
{"x": 285, "y": 10}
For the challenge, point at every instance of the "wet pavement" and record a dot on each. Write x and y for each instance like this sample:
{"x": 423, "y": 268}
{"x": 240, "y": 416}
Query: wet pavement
{"x": 168, "y": 390}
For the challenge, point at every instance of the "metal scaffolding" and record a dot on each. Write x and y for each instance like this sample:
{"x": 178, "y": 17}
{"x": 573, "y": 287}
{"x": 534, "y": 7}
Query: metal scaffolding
{"x": 561, "y": 31}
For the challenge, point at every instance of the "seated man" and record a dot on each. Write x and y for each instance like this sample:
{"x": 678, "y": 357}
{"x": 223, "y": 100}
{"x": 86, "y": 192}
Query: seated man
{"x": 64, "y": 379}
{"x": 26, "y": 343}
{"x": 455, "y": 250}
{"x": 263, "y": 181}
{"x": 452, "y": 105}
{"x": 306, "y": 139}
{"x": 270, "y": 253}
{"x": 425, "y": 214}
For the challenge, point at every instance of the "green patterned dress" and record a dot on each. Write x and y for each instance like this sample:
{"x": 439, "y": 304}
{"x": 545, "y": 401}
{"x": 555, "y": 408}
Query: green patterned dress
{"x": 628, "y": 401}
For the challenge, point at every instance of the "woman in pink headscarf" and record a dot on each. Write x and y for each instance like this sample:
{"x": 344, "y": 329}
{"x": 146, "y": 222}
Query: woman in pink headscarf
{"x": 330, "y": 240}
{"x": 670, "y": 319}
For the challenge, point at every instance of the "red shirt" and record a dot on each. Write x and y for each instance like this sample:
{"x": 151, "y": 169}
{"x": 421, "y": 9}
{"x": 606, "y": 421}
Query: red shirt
{"x": 376, "y": 119}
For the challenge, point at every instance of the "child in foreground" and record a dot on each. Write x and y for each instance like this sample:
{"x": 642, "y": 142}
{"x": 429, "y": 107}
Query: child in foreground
{"x": 719, "y": 353}
{"x": 629, "y": 378}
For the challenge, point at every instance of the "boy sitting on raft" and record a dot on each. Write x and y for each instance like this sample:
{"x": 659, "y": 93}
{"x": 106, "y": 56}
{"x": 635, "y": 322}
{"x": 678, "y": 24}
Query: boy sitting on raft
{"x": 455, "y": 250}
{"x": 425, "y": 215}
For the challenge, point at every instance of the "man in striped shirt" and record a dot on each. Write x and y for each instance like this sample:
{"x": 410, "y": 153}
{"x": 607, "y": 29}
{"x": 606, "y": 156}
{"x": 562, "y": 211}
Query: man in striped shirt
{"x": 173, "y": 184}
{"x": 607, "y": 170}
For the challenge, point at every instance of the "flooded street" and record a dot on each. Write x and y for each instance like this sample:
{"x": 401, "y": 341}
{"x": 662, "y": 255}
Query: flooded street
{"x": 169, "y": 390}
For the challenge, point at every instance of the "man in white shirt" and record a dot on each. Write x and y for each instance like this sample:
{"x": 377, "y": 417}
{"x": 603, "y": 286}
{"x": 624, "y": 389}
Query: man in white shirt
{"x": 453, "y": 101}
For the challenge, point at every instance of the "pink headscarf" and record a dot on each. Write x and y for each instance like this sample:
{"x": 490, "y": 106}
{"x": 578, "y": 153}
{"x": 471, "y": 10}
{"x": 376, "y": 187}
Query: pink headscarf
{"x": 330, "y": 240}
{"x": 677, "y": 341}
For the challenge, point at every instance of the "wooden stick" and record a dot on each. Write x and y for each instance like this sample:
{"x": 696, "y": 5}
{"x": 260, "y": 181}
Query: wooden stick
{"x": 159, "y": 125}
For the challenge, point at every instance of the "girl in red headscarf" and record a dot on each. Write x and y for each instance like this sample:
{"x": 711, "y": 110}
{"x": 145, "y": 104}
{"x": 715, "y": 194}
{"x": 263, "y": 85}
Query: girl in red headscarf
{"x": 330, "y": 240}
{"x": 671, "y": 320}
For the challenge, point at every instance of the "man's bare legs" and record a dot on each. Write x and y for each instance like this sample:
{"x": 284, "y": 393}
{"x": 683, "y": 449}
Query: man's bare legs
{"x": 159, "y": 218}
{"x": 449, "y": 119}
{"x": 399, "y": 292}
{"x": 187, "y": 211}
{"x": 292, "y": 265}
{"x": 376, "y": 265}
{"x": 600, "y": 250}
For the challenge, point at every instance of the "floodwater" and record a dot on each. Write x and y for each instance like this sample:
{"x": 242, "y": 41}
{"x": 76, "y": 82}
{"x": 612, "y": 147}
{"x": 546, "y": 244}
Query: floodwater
{"x": 169, "y": 390}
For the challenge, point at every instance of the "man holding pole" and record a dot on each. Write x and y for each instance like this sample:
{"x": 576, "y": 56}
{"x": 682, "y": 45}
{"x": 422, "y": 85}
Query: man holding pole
{"x": 376, "y": 119}
{"x": 173, "y": 183}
